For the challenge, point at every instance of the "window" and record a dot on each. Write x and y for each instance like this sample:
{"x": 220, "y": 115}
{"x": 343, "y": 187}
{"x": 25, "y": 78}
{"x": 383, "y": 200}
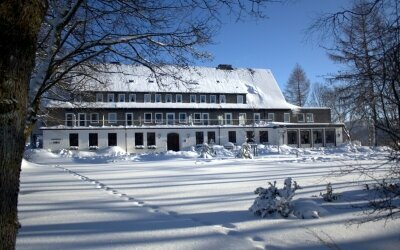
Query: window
{"x": 220, "y": 120}
{"x": 178, "y": 98}
{"x": 170, "y": 118}
{"x": 121, "y": 97}
{"x": 257, "y": 117}
{"x": 317, "y": 136}
{"x": 147, "y": 97}
{"x": 271, "y": 117}
{"x": 300, "y": 117}
{"x": 310, "y": 117}
{"x": 69, "y": 119}
{"x": 74, "y": 140}
{"x": 110, "y": 97}
{"x": 292, "y": 136}
{"x": 99, "y": 97}
{"x": 112, "y": 139}
{"x": 202, "y": 98}
{"x": 286, "y": 117}
{"x": 94, "y": 117}
{"x": 128, "y": 119}
{"x": 242, "y": 118}
{"x": 139, "y": 139}
{"x": 199, "y": 138}
{"x": 197, "y": 117}
{"x": 182, "y": 118}
{"x": 211, "y": 137}
{"x": 151, "y": 139}
{"x": 147, "y": 117}
{"x": 222, "y": 99}
{"x": 239, "y": 99}
{"x": 205, "y": 118}
{"x": 192, "y": 98}
{"x": 305, "y": 137}
{"x": 112, "y": 117}
{"x": 158, "y": 98}
{"x": 228, "y": 118}
{"x": 132, "y": 97}
{"x": 330, "y": 136}
{"x": 168, "y": 98}
{"x": 213, "y": 99}
{"x": 263, "y": 136}
{"x": 250, "y": 136}
{"x": 82, "y": 119}
{"x": 158, "y": 118}
{"x": 93, "y": 140}
{"x": 232, "y": 136}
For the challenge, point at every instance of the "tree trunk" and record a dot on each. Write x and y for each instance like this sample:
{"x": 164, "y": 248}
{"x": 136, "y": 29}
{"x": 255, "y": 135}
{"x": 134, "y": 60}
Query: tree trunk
{"x": 19, "y": 25}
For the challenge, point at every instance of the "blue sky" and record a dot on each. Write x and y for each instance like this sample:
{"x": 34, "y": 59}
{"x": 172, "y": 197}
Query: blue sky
{"x": 277, "y": 42}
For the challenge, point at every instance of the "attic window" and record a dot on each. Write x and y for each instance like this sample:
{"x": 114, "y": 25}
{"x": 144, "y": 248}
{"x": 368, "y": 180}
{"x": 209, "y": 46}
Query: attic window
{"x": 218, "y": 81}
{"x": 151, "y": 80}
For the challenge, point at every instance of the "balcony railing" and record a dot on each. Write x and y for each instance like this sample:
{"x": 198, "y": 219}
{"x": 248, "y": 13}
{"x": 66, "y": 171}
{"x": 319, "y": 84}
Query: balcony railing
{"x": 163, "y": 122}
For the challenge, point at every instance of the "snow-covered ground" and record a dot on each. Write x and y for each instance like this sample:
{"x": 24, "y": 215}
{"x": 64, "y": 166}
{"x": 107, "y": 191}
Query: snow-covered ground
{"x": 109, "y": 200}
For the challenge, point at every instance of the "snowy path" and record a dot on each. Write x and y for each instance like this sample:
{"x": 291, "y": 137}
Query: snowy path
{"x": 187, "y": 204}
{"x": 58, "y": 211}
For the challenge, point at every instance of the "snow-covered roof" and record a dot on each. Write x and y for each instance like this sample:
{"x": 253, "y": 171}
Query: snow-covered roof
{"x": 259, "y": 85}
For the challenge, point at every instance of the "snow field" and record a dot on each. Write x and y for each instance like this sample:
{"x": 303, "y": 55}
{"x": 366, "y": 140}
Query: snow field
{"x": 182, "y": 202}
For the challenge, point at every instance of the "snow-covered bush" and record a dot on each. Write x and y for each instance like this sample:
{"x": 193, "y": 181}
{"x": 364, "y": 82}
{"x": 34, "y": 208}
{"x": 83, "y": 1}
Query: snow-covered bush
{"x": 329, "y": 196}
{"x": 207, "y": 151}
{"x": 245, "y": 151}
{"x": 271, "y": 200}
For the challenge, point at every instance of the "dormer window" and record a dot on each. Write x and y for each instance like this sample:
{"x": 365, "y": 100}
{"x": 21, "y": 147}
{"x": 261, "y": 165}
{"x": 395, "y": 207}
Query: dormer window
{"x": 132, "y": 97}
{"x": 300, "y": 117}
{"x": 158, "y": 98}
{"x": 168, "y": 98}
{"x": 213, "y": 99}
{"x": 309, "y": 117}
{"x": 239, "y": 99}
{"x": 121, "y": 97}
{"x": 147, "y": 97}
{"x": 110, "y": 97}
{"x": 202, "y": 99}
{"x": 178, "y": 98}
{"x": 222, "y": 99}
{"x": 99, "y": 97}
{"x": 192, "y": 98}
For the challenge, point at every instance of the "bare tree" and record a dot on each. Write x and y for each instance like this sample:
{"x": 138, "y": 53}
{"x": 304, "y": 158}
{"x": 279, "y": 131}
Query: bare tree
{"x": 49, "y": 43}
{"x": 366, "y": 41}
{"x": 297, "y": 87}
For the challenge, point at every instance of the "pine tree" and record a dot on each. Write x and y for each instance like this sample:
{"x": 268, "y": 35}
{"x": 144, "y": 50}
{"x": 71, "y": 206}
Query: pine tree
{"x": 297, "y": 87}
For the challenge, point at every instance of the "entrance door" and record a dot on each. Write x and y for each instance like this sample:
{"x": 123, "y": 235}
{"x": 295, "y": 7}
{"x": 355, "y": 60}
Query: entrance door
{"x": 173, "y": 142}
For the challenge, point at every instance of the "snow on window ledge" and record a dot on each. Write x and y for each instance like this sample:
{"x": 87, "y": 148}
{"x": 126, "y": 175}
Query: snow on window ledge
{"x": 139, "y": 146}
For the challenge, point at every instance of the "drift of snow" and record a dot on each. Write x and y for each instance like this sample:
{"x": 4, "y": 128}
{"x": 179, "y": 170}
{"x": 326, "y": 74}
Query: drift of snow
{"x": 176, "y": 200}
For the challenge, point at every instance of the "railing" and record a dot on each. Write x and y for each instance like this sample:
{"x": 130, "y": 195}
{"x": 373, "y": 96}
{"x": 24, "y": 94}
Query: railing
{"x": 156, "y": 122}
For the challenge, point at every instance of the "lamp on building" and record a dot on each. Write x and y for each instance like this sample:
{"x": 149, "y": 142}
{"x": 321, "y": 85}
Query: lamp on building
{"x": 159, "y": 136}
{"x": 188, "y": 135}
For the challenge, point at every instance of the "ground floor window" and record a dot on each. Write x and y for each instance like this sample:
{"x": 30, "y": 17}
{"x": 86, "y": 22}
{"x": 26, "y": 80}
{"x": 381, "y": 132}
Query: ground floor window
{"x": 151, "y": 139}
{"x": 211, "y": 137}
{"x": 317, "y": 136}
{"x": 112, "y": 139}
{"x": 199, "y": 138}
{"x": 292, "y": 137}
{"x": 73, "y": 140}
{"x": 249, "y": 136}
{"x": 232, "y": 136}
{"x": 330, "y": 136}
{"x": 305, "y": 137}
{"x": 138, "y": 139}
{"x": 93, "y": 140}
{"x": 263, "y": 136}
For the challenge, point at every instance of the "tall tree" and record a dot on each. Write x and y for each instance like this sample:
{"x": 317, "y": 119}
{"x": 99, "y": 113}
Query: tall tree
{"x": 297, "y": 87}
{"x": 47, "y": 43}
{"x": 366, "y": 42}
